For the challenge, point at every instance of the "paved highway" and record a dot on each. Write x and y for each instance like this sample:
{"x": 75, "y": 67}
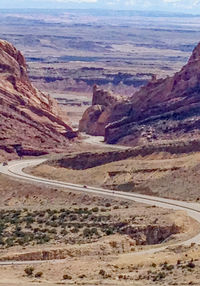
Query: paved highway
{"x": 99, "y": 141}
{"x": 15, "y": 169}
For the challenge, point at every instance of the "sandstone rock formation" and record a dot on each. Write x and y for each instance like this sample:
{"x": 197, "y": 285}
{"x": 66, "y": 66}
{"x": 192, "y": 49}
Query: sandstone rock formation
{"x": 163, "y": 109}
{"x": 29, "y": 119}
{"x": 97, "y": 116}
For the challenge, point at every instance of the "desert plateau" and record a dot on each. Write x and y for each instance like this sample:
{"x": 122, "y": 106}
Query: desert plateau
{"x": 99, "y": 145}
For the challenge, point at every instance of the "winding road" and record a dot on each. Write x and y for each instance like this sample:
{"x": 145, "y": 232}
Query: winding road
{"x": 15, "y": 169}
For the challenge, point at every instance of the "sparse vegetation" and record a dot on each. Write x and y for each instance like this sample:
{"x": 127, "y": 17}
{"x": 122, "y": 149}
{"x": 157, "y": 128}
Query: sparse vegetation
{"x": 38, "y": 274}
{"x": 191, "y": 265}
{"x": 29, "y": 271}
{"x": 67, "y": 277}
{"x": 40, "y": 227}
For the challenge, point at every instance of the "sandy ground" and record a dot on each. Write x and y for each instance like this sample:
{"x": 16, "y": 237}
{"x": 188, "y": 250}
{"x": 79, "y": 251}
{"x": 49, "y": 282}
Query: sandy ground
{"x": 97, "y": 263}
{"x": 122, "y": 270}
{"x": 158, "y": 174}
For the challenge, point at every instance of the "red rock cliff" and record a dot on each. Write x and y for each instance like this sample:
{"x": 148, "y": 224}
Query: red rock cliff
{"x": 164, "y": 109}
{"x": 97, "y": 116}
{"x": 27, "y": 116}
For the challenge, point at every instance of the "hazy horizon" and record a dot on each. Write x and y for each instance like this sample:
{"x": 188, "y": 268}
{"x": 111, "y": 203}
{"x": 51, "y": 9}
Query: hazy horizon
{"x": 174, "y": 6}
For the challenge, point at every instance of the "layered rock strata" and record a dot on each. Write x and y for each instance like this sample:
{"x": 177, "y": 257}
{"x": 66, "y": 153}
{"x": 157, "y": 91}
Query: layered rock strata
{"x": 29, "y": 119}
{"x": 164, "y": 109}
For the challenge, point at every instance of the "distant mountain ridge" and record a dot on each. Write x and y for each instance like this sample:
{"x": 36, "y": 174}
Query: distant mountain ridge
{"x": 100, "y": 12}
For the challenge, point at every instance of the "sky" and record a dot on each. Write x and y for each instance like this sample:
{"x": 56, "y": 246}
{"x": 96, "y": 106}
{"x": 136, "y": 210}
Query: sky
{"x": 186, "y": 6}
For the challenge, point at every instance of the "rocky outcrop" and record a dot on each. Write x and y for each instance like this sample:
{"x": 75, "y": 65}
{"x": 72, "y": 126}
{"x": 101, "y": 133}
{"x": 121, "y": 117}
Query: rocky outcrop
{"x": 152, "y": 234}
{"x": 104, "y": 98}
{"x": 113, "y": 244}
{"x": 86, "y": 160}
{"x": 28, "y": 118}
{"x": 164, "y": 109}
{"x": 97, "y": 116}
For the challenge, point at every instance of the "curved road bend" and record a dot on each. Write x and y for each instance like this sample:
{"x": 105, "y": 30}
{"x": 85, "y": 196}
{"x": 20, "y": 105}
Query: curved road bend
{"x": 99, "y": 141}
{"x": 15, "y": 169}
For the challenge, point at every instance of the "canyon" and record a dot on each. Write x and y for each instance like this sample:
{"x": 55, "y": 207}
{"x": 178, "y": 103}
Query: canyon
{"x": 164, "y": 109}
{"x": 144, "y": 105}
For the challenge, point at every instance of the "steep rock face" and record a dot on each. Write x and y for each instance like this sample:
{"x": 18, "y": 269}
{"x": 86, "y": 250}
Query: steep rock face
{"x": 97, "y": 116}
{"x": 164, "y": 109}
{"x": 28, "y": 117}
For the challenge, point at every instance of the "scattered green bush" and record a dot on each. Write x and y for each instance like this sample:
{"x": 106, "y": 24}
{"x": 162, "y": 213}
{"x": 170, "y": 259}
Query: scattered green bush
{"x": 102, "y": 272}
{"x": 29, "y": 271}
{"x": 191, "y": 264}
{"x": 67, "y": 277}
{"x": 159, "y": 276}
{"x": 39, "y": 227}
{"x": 38, "y": 274}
